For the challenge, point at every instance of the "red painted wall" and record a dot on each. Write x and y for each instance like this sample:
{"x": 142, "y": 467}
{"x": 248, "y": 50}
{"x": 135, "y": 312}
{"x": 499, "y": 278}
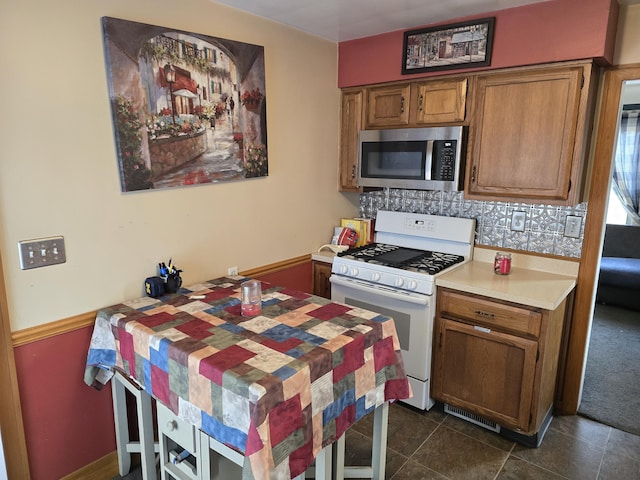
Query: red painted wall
{"x": 544, "y": 32}
{"x": 297, "y": 278}
{"x": 67, "y": 424}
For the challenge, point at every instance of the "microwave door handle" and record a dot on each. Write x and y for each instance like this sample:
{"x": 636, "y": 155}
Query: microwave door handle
{"x": 428, "y": 160}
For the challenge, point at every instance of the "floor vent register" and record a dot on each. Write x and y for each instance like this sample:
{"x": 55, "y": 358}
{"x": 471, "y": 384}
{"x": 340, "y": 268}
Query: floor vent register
{"x": 471, "y": 417}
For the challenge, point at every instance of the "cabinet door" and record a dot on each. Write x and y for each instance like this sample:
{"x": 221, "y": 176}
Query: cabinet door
{"x": 523, "y": 135}
{"x": 439, "y": 102}
{"x": 388, "y": 106}
{"x": 485, "y": 372}
{"x": 350, "y": 124}
{"x": 321, "y": 274}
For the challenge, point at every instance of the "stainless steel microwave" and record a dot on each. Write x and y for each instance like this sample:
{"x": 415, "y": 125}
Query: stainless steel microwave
{"x": 413, "y": 158}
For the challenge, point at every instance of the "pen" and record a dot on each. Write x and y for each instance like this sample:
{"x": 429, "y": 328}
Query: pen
{"x": 181, "y": 456}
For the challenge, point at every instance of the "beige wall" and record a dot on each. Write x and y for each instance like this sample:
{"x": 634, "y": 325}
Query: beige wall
{"x": 58, "y": 167}
{"x": 628, "y": 37}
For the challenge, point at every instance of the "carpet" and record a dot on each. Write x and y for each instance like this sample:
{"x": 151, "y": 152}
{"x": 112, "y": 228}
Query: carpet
{"x": 611, "y": 391}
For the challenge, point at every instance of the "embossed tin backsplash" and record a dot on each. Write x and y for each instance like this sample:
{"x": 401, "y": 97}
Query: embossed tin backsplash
{"x": 543, "y": 230}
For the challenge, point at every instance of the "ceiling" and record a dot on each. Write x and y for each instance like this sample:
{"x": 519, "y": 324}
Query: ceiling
{"x": 341, "y": 20}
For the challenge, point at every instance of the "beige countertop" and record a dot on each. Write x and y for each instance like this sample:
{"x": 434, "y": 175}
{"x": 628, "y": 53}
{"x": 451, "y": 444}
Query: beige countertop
{"x": 535, "y": 283}
{"x": 323, "y": 256}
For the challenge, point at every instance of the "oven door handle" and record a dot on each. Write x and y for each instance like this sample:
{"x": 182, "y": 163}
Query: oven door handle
{"x": 381, "y": 290}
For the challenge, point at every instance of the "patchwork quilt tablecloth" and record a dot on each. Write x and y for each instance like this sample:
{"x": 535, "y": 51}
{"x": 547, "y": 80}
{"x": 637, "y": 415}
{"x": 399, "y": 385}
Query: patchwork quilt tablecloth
{"x": 277, "y": 387}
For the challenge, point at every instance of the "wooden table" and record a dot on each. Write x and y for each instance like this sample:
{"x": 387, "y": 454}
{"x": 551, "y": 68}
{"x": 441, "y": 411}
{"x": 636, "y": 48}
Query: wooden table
{"x": 277, "y": 388}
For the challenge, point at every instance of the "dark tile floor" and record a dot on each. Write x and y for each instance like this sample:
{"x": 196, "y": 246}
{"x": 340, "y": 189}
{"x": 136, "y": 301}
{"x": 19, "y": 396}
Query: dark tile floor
{"x": 435, "y": 446}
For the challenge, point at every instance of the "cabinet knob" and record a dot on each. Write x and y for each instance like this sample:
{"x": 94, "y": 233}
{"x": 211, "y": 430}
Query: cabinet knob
{"x": 172, "y": 425}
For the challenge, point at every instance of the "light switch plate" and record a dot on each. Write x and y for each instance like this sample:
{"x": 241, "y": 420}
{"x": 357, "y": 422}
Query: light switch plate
{"x": 517, "y": 221}
{"x": 572, "y": 226}
{"x": 41, "y": 252}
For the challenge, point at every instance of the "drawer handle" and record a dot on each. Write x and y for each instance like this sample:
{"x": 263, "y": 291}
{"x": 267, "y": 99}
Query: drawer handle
{"x": 172, "y": 425}
{"x": 480, "y": 313}
{"x": 482, "y": 329}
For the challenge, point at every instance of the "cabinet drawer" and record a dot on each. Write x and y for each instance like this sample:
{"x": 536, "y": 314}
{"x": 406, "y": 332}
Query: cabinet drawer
{"x": 181, "y": 432}
{"x": 490, "y": 312}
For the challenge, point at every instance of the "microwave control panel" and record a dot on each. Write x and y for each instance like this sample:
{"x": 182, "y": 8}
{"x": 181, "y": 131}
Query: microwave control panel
{"x": 444, "y": 164}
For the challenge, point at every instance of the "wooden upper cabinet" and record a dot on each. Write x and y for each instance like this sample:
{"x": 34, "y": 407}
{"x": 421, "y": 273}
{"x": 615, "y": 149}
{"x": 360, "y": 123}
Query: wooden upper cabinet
{"x": 438, "y": 102}
{"x": 417, "y": 104}
{"x": 350, "y": 126}
{"x": 528, "y": 133}
{"x": 388, "y": 106}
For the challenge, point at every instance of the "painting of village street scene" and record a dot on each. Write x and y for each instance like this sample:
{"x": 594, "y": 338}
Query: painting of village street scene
{"x": 188, "y": 108}
{"x": 460, "y": 45}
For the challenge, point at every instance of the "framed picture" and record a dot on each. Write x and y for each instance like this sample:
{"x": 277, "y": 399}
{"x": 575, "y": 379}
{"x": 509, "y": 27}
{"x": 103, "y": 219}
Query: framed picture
{"x": 188, "y": 108}
{"x": 459, "y": 45}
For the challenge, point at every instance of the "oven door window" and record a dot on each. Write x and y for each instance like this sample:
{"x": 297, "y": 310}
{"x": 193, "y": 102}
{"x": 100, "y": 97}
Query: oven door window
{"x": 395, "y": 160}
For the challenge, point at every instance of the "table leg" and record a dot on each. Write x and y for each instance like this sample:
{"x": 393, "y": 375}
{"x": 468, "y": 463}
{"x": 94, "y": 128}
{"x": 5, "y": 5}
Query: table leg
{"x": 122, "y": 425}
{"x": 376, "y": 470}
{"x": 147, "y": 443}
{"x": 323, "y": 464}
{"x": 338, "y": 458}
{"x": 146, "y": 446}
{"x": 379, "y": 451}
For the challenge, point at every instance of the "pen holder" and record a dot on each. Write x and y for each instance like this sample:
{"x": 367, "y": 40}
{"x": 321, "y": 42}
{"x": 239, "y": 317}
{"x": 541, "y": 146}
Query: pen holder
{"x": 154, "y": 286}
{"x": 172, "y": 283}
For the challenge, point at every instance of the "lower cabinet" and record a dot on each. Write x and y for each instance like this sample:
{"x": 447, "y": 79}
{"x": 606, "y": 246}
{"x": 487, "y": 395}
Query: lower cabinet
{"x": 179, "y": 447}
{"x": 188, "y": 454}
{"x": 496, "y": 359}
{"x": 321, "y": 272}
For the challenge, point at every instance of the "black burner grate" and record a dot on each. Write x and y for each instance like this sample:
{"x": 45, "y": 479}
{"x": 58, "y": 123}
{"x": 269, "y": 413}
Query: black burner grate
{"x": 403, "y": 258}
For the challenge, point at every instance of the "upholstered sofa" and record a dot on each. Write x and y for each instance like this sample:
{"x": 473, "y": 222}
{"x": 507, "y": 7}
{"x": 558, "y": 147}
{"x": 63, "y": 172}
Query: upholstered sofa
{"x": 619, "y": 281}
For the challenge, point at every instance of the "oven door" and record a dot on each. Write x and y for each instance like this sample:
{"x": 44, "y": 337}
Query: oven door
{"x": 413, "y": 318}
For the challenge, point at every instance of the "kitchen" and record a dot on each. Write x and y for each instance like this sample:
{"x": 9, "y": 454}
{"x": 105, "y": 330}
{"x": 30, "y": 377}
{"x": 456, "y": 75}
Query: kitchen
{"x": 105, "y": 264}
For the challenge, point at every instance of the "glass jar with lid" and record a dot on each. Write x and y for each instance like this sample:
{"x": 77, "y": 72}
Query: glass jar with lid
{"x": 502, "y": 263}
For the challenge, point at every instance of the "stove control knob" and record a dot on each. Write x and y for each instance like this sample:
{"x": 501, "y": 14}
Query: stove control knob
{"x": 412, "y": 285}
{"x": 344, "y": 269}
{"x": 355, "y": 272}
{"x": 399, "y": 282}
{"x": 375, "y": 276}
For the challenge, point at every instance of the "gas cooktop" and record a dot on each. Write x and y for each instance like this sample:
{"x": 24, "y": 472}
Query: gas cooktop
{"x": 403, "y": 258}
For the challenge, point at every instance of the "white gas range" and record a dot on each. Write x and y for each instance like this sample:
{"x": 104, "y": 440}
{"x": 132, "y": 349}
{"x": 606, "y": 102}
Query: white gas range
{"x": 395, "y": 276}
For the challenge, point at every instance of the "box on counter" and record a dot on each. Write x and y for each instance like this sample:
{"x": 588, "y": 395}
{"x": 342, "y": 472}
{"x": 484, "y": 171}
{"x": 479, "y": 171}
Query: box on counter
{"x": 363, "y": 226}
